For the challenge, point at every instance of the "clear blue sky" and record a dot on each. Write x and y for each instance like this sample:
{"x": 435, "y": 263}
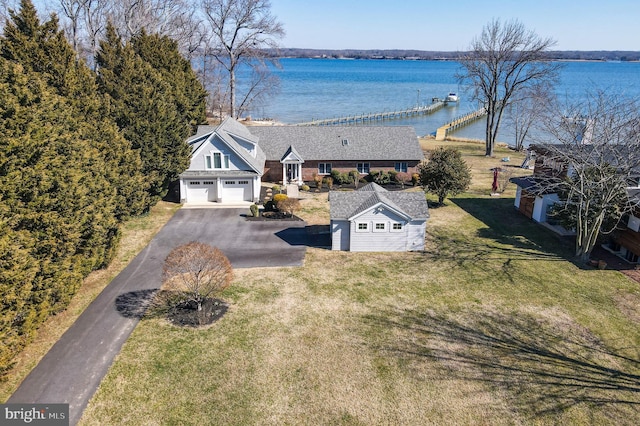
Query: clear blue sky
{"x": 449, "y": 25}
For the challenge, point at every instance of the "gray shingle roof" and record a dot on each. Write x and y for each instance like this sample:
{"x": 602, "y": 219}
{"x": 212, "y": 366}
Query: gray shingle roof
{"x": 366, "y": 143}
{"x": 346, "y": 204}
{"x": 231, "y": 132}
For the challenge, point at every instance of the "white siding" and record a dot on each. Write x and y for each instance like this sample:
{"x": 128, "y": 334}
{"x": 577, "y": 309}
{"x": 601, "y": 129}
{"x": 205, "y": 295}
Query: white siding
{"x": 378, "y": 240}
{"x": 340, "y": 235}
{"x": 541, "y": 205}
{"x": 415, "y": 235}
{"x": 216, "y": 145}
{"x": 516, "y": 203}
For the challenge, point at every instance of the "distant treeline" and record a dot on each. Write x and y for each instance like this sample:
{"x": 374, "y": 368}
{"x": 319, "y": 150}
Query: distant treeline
{"x": 577, "y": 55}
{"x": 80, "y": 153}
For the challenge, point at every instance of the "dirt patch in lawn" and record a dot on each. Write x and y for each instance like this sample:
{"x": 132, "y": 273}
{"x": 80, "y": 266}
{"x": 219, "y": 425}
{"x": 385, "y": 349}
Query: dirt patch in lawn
{"x": 629, "y": 304}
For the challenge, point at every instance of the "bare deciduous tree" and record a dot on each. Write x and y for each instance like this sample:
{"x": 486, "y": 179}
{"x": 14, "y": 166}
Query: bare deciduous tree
{"x": 240, "y": 29}
{"x": 86, "y": 21}
{"x": 5, "y": 5}
{"x": 594, "y": 160}
{"x": 198, "y": 269}
{"x": 503, "y": 61}
{"x": 526, "y": 111}
{"x": 289, "y": 205}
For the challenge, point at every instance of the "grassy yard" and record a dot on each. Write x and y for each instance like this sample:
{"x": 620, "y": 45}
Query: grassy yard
{"x": 492, "y": 324}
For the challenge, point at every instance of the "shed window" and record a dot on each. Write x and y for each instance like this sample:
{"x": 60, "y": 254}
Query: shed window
{"x": 380, "y": 227}
{"x": 362, "y": 227}
{"x": 396, "y": 227}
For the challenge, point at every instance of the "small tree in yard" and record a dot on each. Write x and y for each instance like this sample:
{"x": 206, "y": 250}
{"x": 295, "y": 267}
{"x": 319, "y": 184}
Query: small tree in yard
{"x": 445, "y": 174}
{"x": 289, "y": 205}
{"x": 199, "y": 270}
{"x": 592, "y": 201}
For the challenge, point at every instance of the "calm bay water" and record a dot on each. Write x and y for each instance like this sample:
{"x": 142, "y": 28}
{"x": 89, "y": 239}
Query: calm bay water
{"x": 326, "y": 88}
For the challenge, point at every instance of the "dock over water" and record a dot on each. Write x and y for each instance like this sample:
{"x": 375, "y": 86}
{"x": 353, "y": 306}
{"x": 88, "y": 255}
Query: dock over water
{"x": 377, "y": 116}
{"x": 443, "y": 131}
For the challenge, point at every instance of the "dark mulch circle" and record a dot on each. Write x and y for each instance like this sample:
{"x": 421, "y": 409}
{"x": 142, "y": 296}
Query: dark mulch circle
{"x": 186, "y": 314}
{"x": 174, "y": 307}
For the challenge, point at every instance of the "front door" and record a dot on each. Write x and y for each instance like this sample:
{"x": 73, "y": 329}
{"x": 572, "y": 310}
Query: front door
{"x": 292, "y": 172}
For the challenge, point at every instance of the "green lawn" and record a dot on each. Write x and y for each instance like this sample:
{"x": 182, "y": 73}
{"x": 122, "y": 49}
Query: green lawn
{"x": 492, "y": 324}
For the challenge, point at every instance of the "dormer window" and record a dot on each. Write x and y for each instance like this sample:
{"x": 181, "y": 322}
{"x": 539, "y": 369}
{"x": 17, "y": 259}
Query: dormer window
{"x": 216, "y": 160}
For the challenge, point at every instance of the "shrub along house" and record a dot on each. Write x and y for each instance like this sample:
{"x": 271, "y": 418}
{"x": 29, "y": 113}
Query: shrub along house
{"x": 229, "y": 161}
{"x": 374, "y": 219}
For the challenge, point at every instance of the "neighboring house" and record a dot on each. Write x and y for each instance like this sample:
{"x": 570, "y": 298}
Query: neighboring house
{"x": 374, "y": 219}
{"x": 229, "y": 161}
{"x": 625, "y": 241}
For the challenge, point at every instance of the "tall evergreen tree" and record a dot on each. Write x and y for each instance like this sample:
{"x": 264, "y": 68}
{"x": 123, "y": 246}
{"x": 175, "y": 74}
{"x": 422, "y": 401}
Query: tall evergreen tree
{"x": 189, "y": 97}
{"x": 143, "y": 106}
{"x": 55, "y": 201}
{"x": 43, "y": 48}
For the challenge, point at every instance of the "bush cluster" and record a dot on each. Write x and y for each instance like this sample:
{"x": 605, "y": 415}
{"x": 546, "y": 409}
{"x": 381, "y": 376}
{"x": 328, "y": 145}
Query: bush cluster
{"x": 341, "y": 178}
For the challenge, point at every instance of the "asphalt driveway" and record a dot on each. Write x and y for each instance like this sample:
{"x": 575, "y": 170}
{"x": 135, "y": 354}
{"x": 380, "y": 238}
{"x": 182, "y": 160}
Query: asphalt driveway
{"x": 74, "y": 367}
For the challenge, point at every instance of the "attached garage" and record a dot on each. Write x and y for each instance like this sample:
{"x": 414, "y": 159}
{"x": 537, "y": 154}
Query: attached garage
{"x": 236, "y": 190}
{"x": 199, "y": 191}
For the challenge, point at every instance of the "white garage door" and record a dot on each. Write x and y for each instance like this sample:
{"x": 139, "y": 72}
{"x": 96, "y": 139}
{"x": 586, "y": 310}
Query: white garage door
{"x": 201, "y": 191}
{"x": 236, "y": 190}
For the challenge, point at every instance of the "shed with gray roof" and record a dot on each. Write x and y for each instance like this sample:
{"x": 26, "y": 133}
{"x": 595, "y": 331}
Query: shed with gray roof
{"x": 374, "y": 219}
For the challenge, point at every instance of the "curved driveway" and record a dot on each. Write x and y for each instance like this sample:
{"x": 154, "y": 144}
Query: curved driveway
{"x": 74, "y": 367}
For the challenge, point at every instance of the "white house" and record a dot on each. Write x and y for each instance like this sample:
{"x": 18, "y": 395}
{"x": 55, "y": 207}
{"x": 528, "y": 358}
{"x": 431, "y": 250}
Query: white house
{"x": 374, "y": 219}
{"x": 226, "y": 165}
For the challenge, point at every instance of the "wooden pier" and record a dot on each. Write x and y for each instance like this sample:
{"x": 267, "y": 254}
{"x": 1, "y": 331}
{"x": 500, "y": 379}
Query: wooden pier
{"x": 459, "y": 122}
{"x": 376, "y": 116}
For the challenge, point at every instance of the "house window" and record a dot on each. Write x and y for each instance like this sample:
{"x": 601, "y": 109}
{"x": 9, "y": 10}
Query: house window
{"x": 208, "y": 163}
{"x": 380, "y": 227}
{"x": 220, "y": 161}
{"x": 401, "y": 167}
{"x": 362, "y": 227}
{"x": 363, "y": 168}
{"x": 324, "y": 168}
{"x": 396, "y": 227}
